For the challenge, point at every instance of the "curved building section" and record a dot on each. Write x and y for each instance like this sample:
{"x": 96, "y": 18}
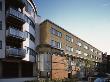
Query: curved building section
{"x": 29, "y": 28}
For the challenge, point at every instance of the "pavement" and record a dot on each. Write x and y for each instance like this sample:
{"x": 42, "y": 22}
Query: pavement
{"x": 82, "y": 81}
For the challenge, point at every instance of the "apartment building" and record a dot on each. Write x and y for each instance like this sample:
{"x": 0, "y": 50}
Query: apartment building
{"x": 71, "y": 54}
{"x": 29, "y": 50}
{"x": 18, "y": 40}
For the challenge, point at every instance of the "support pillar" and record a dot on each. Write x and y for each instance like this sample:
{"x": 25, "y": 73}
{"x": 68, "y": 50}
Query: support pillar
{"x": 19, "y": 70}
{"x": 34, "y": 69}
{"x": 1, "y": 69}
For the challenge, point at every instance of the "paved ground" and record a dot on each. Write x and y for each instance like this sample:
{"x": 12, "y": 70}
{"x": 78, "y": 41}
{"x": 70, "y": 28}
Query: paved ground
{"x": 82, "y": 81}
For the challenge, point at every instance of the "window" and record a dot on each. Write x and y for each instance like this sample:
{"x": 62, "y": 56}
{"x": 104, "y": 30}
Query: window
{"x": 79, "y": 44}
{"x": 0, "y": 6}
{"x": 78, "y": 52}
{"x": 68, "y": 38}
{"x": 96, "y": 52}
{"x": 0, "y": 44}
{"x": 56, "y": 44}
{"x": 32, "y": 38}
{"x": 92, "y": 50}
{"x": 59, "y": 34}
{"x": 86, "y": 47}
{"x": 99, "y": 58}
{"x": 0, "y": 25}
{"x": 68, "y": 48}
{"x": 52, "y": 43}
{"x": 55, "y": 32}
{"x": 91, "y": 56}
{"x": 85, "y": 54}
{"x": 100, "y": 53}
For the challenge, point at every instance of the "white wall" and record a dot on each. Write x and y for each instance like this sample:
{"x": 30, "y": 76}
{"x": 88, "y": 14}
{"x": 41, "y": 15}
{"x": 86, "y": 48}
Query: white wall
{"x": 28, "y": 42}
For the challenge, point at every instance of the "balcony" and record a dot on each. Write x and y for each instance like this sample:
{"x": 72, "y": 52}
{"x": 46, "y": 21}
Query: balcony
{"x": 15, "y": 52}
{"x": 11, "y": 32}
{"x": 17, "y": 15}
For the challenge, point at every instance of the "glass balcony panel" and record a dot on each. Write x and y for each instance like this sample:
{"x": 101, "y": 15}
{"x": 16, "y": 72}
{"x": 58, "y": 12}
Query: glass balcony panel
{"x": 16, "y": 33}
{"x": 15, "y": 52}
{"x": 20, "y": 16}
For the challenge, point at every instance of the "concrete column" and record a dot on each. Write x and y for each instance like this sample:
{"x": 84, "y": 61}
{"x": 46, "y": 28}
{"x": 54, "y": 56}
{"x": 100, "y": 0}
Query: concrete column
{"x": 19, "y": 69}
{"x": 34, "y": 69}
{"x": 0, "y": 69}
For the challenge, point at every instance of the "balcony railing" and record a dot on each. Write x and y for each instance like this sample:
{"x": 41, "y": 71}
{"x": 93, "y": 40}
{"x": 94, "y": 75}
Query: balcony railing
{"x": 16, "y": 33}
{"x": 15, "y": 52}
{"x": 16, "y": 14}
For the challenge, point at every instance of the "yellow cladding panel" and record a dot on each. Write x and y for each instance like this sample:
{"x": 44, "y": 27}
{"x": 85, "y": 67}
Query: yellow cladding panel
{"x": 44, "y": 33}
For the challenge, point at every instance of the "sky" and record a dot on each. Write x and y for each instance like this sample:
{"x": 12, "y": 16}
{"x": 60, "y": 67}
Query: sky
{"x": 87, "y": 19}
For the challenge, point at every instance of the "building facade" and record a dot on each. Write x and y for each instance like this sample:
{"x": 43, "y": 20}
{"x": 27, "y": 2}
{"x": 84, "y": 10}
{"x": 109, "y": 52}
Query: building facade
{"x": 77, "y": 55}
{"x": 18, "y": 40}
{"x": 31, "y": 49}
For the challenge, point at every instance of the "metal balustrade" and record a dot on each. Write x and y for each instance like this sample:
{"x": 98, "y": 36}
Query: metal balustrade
{"x": 15, "y": 52}
{"x": 16, "y": 14}
{"x": 16, "y": 33}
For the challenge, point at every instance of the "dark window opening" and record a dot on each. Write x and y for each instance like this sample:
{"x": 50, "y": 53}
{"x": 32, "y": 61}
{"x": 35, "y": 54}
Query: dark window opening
{"x": 32, "y": 38}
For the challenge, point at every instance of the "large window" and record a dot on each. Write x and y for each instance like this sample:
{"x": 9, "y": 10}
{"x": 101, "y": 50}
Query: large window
{"x": 56, "y": 32}
{"x": 0, "y": 25}
{"x": 69, "y": 38}
{"x": 68, "y": 48}
{"x": 56, "y": 44}
{"x": 0, "y": 6}
{"x": 0, "y": 44}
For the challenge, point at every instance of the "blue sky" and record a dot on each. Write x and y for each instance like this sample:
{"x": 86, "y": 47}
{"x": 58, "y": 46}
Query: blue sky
{"x": 88, "y": 19}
